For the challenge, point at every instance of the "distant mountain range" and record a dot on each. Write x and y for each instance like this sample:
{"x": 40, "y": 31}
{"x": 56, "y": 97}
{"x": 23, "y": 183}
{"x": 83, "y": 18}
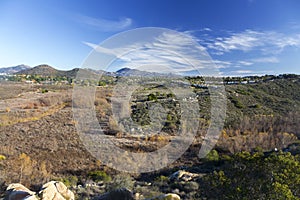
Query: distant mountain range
{"x": 46, "y": 70}
{"x": 14, "y": 69}
{"x": 135, "y": 72}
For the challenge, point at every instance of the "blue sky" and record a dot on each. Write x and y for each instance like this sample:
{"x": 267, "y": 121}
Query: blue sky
{"x": 243, "y": 37}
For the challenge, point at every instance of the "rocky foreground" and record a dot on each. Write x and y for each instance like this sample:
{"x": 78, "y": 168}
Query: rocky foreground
{"x": 55, "y": 190}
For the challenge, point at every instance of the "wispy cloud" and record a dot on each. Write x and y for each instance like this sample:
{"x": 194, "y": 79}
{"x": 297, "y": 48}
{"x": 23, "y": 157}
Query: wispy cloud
{"x": 222, "y": 64}
{"x": 249, "y": 52}
{"x": 99, "y": 48}
{"x": 267, "y": 42}
{"x": 243, "y": 71}
{"x": 104, "y": 25}
{"x": 179, "y": 53}
{"x": 271, "y": 59}
{"x": 245, "y": 63}
{"x": 248, "y": 72}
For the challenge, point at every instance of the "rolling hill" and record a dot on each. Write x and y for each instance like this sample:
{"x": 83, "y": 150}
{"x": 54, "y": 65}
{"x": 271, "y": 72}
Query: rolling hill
{"x": 14, "y": 69}
{"x": 46, "y": 70}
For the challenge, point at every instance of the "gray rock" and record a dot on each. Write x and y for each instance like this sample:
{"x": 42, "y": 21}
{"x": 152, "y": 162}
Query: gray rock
{"x": 182, "y": 175}
{"x": 17, "y": 191}
{"x": 55, "y": 190}
{"x": 169, "y": 196}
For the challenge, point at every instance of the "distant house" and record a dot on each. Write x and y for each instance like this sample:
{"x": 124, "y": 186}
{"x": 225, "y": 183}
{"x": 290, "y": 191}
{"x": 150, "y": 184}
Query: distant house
{"x": 29, "y": 81}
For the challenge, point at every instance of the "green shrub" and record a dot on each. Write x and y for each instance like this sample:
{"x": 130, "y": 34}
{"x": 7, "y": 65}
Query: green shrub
{"x": 255, "y": 176}
{"x": 99, "y": 176}
{"x": 236, "y": 103}
{"x": 152, "y": 97}
{"x": 70, "y": 181}
{"x": 161, "y": 178}
{"x": 257, "y": 106}
{"x": 213, "y": 155}
{"x": 2, "y": 157}
{"x": 101, "y": 83}
{"x": 44, "y": 91}
{"x": 170, "y": 95}
{"x": 122, "y": 181}
{"x": 191, "y": 186}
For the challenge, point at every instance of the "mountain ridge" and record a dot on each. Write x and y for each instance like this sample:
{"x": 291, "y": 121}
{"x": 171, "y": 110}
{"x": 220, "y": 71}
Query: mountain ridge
{"x": 13, "y": 69}
{"x": 47, "y": 70}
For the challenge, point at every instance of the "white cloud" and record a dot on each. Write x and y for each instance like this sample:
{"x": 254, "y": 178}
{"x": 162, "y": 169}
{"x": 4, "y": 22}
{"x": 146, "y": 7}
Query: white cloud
{"x": 245, "y": 63}
{"x": 182, "y": 53}
{"x": 268, "y": 42}
{"x": 249, "y": 62}
{"x": 248, "y": 73}
{"x": 222, "y": 64}
{"x": 240, "y": 41}
{"x": 101, "y": 49}
{"x": 104, "y": 24}
{"x": 179, "y": 52}
{"x": 243, "y": 71}
{"x": 206, "y": 29}
{"x": 271, "y": 59}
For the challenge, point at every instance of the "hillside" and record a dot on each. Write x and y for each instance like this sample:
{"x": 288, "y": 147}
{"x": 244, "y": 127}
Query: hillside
{"x": 128, "y": 72}
{"x": 38, "y": 129}
{"x": 48, "y": 71}
{"x": 14, "y": 69}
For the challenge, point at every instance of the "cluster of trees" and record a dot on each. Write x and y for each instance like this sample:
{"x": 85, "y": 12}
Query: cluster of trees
{"x": 255, "y": 79}
{"x": 39, "y": 79}
{"x": 25, "y": 170}
{"x": 255, "y": 176}
{"x": 169, "y": 118}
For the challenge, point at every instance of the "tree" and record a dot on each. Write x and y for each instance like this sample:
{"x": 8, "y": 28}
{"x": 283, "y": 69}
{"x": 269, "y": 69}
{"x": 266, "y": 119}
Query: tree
{"x": 26, "y": 166}
{"x": 255, "y": 176}
{"x": 152, "y": 97}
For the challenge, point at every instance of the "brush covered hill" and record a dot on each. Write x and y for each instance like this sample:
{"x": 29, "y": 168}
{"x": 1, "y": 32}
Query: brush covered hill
{"x": 278, "y": 97}
{"x": 48, "y": 71}
{"x": 264, "y": 114}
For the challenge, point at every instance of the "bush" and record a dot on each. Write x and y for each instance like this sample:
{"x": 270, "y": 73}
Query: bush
{"x": 70, "y": 181}
{"x": 255, "y": 176}
{"x": 237, "y": 103}
{"x": 2, "y": 157}
{"x": 101, "y": 83}
{"x": 122, "y": 181}
{"x": 98, "y": 176}
{"x": 191, "y": 186}
{"x": 257, "y": 106}
{"x": 44, "y": 91}
{"x": 152, "y": 97}
{"x": 213, "y": 155}
{"x": 161, "y": 179}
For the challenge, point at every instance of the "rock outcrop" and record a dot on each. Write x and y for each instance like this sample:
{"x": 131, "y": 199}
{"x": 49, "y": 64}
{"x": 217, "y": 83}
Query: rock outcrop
{"x": 17, "y": 191}
{"x": 169, "y": 196}
{"x": 53, "y": 190}
{"x": 182, "y": 175}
